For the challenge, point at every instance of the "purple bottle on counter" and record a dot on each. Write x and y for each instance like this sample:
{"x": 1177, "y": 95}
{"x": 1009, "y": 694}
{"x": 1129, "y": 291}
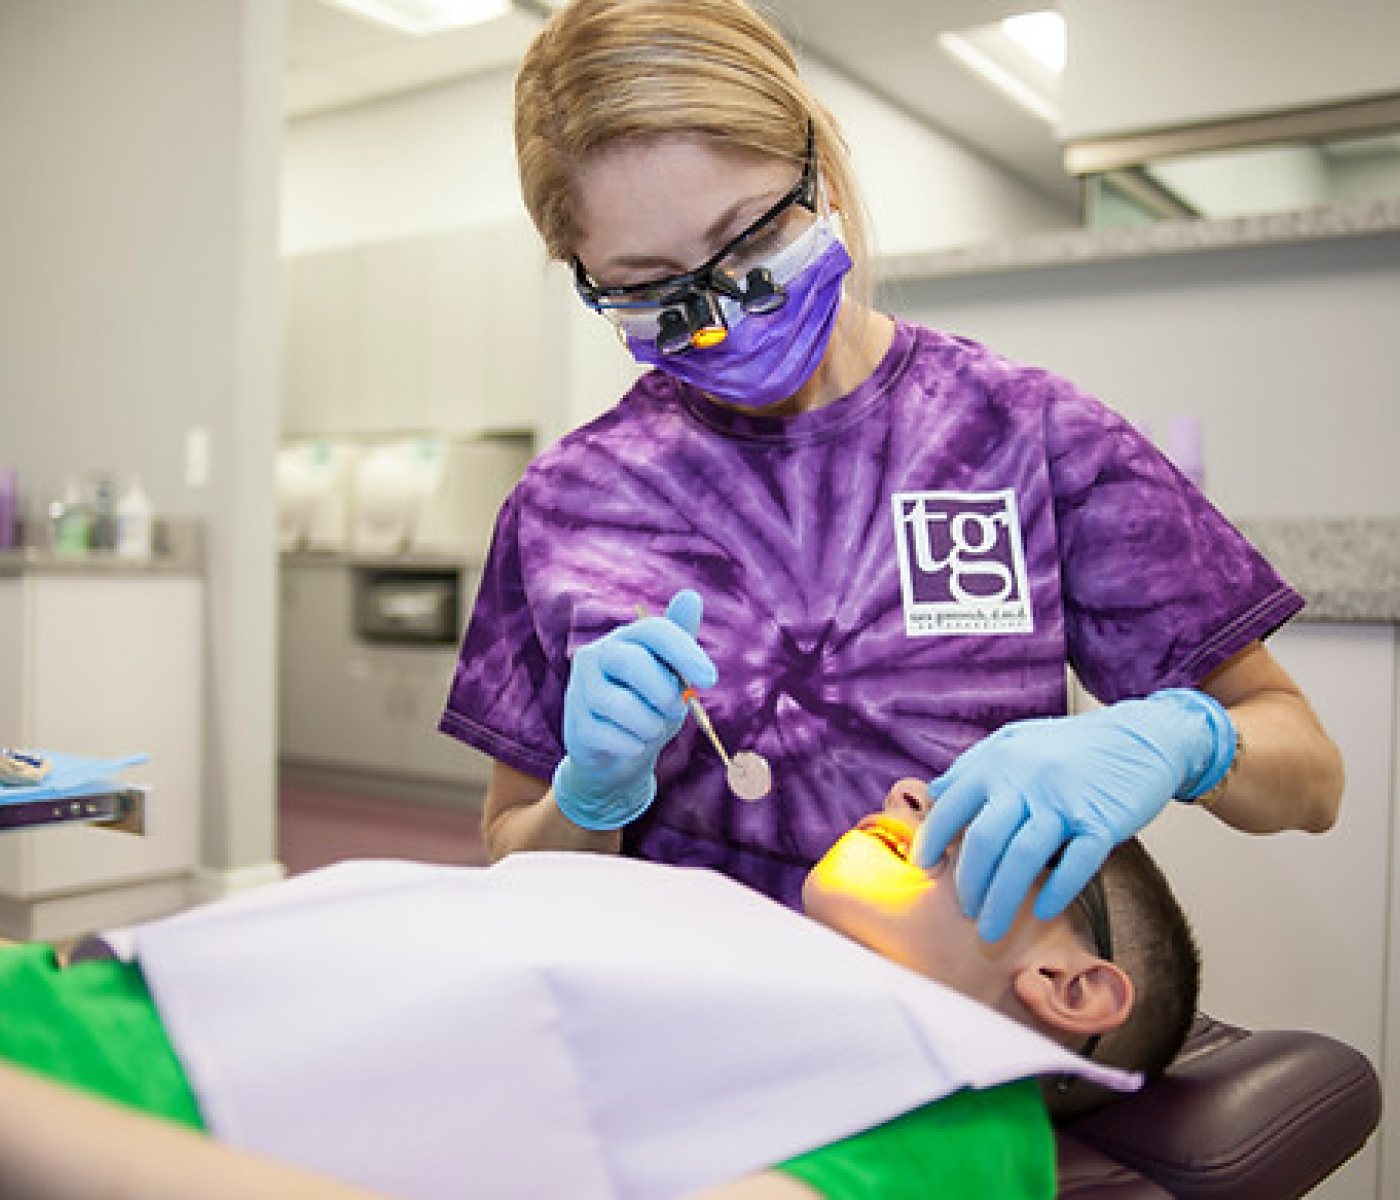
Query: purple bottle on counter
{"x": 9, "y": 508}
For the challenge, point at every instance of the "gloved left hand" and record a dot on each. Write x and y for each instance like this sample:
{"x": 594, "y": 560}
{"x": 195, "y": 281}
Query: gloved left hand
{"x": 1085, "y": 782}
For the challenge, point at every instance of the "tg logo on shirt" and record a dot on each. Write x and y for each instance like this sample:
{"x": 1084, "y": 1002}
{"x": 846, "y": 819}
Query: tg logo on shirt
{"x": 962, "y": 568}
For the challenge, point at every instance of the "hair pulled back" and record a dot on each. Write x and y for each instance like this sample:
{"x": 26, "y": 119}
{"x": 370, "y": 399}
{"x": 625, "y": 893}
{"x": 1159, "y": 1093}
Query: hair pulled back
{"x": 602, "y": 71}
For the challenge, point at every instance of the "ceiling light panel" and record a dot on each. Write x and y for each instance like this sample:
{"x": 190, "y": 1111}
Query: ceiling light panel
{"x": 1042, "y": 36}
{"x": 422, "y": 17}
{"x": 1022, "y": 57}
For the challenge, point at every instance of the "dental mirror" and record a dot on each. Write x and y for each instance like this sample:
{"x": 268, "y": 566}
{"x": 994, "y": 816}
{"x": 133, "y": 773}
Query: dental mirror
{"x": 748, "y": 774}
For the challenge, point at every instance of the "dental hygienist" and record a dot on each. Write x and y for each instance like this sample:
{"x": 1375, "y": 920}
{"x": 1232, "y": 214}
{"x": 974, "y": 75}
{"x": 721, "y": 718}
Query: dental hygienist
{"x": 900, "y": 538}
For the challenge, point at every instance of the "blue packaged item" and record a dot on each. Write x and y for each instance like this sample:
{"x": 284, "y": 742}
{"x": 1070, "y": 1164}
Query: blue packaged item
{"x": 68, "y": 775}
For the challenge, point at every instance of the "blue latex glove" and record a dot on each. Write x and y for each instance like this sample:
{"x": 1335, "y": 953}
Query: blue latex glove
{"x": 621, "y": 706}
{"x": 1084, "y": 783}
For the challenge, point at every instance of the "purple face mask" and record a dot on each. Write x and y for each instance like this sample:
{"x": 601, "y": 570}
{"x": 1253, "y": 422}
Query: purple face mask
{"x": 767, "y": 358}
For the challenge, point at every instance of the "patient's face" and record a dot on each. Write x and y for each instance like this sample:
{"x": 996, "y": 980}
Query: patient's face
{"x": 866, "y": 888}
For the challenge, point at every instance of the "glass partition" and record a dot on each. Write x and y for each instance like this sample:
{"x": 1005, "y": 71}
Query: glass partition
{"x": 1248, "y": 181}
{"x": 1250, "y": 166}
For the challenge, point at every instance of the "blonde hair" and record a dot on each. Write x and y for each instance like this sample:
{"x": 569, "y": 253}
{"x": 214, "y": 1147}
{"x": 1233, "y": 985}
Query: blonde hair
{"x": 602, "y": 71}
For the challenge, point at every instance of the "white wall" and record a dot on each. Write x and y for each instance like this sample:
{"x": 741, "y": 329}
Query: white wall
{"x": 421, "y": 162}
{"x": 1288, "y": 355}
{"x": 442, "y": 157}
{"x": 431, "y": 160}
{"x": 139, "y": 152}
{"x": 1136, "y": 65}
{"x": 924, "y": 190}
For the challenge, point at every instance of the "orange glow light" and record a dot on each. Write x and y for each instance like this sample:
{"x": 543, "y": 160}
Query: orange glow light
{"x": 861, "y": 865}
{"x": 707, "y": 336}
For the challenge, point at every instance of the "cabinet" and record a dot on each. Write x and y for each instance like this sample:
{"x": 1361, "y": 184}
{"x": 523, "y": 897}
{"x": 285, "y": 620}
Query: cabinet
{"x": 320, "y": 374}
{"x": 1294, "y": 928}
{"x": 354, "y": 706}
{"x": 440, "y": 332}
{"x": 103, "y": 663}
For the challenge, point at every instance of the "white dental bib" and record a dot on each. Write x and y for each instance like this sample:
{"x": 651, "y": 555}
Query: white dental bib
{"x": 555, "y": 1025}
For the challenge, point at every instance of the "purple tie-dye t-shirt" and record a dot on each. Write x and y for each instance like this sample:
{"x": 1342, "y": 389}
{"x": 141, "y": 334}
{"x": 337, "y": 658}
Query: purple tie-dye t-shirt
{"x": 886, "y": 580}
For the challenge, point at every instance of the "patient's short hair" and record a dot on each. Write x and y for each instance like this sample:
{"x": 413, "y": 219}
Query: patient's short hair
{"x": 1154, "y": 944}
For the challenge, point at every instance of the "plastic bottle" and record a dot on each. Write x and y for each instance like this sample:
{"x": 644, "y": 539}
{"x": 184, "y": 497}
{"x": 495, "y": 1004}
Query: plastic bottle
{"x": 134, "y": 523}
{"x": 102, "y": 530}
{"x": 9, "y": 509}
{"x": 69, "y": 520}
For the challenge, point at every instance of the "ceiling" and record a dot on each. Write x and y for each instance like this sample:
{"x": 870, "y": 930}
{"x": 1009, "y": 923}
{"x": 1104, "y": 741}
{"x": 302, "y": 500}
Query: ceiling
{"x": 888, "y": 46}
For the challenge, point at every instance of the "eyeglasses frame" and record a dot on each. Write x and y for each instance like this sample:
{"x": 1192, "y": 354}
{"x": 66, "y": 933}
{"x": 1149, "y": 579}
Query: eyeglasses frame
{"x": 1092, "y": 901}
{"x": 705, "y": 277}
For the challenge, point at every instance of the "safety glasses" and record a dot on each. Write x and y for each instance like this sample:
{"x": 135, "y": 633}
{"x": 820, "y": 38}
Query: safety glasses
{"x": 683, "y": 311}
{"x": 1093, "y": 903}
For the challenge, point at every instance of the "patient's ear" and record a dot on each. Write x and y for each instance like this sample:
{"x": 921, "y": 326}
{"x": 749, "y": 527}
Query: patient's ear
{"x": 1079, "y": 995}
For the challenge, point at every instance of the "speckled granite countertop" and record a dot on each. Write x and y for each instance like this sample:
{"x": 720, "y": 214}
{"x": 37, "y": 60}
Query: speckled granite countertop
{"x": 1348, "y": 569}
{"x": 1070, "y": 246}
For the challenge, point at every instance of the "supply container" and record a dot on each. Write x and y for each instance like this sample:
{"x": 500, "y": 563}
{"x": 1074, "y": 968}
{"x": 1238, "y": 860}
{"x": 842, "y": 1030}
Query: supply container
{"x": 102, "y": 513}
{"x": 134, "y": 523}
{"x": 69, "y": 522}
{"x": 9, "y": 508}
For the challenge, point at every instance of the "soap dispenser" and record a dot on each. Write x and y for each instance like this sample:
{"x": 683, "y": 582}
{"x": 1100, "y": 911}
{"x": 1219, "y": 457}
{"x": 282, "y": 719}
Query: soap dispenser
{"x": 134, "y": 523}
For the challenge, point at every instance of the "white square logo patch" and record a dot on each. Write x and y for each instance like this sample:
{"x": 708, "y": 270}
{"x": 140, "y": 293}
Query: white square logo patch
{"x": 962, "y": 568}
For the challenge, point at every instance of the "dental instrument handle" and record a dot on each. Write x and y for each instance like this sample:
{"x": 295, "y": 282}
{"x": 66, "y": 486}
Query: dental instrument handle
{"x": 702, "y": 718}
{"x": 692, "y": 700}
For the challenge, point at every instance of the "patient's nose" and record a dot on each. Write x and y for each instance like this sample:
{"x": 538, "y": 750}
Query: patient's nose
{"x": 908, "y": 799}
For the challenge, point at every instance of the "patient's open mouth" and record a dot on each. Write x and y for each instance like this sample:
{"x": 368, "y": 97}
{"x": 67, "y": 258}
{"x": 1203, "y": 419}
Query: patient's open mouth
{"x": 895, "y": 835}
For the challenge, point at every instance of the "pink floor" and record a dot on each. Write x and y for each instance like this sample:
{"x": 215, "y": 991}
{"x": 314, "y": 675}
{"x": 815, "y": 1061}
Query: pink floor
{"x": 317, "y": 828}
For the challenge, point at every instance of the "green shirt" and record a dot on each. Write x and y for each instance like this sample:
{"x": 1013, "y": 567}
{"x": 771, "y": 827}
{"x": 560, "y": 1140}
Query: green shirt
{"x": 94, "y": 1027}
{"x": 970, "y": 1146}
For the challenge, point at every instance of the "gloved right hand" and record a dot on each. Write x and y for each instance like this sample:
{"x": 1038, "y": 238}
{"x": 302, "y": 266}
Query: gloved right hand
{"x": 622, "y": 705}
{"x": 1075, "y": 786}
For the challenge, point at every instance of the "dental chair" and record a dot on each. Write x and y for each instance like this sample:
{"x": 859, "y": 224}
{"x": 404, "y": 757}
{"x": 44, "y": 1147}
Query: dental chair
{"x": 1239, "y": 1115}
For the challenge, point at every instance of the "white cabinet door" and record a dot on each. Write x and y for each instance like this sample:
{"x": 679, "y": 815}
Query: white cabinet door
{"x": 1293, "y": 927}
{"x": 448, "y": 332}
{"x": 321, "y": 376}
{"x": 352, "y": 705}
{"x": 525, "y": 342}
{"x": 313, "y": 650}
{"x": 336, "y": 705}
{"x": 458, "y": 335}
{"x": 392, "y": 340}
{"x": 1390, "y": 1069}
{"x": 112, "y": 666}
{"x": 423, "y": 681}
{"x": 12, "y": 672}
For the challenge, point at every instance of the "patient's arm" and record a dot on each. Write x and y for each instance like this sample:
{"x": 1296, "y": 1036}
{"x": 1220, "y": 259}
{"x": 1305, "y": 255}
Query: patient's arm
{"x": 766, "y": 1185}
{"x": 59, "y": 1144}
